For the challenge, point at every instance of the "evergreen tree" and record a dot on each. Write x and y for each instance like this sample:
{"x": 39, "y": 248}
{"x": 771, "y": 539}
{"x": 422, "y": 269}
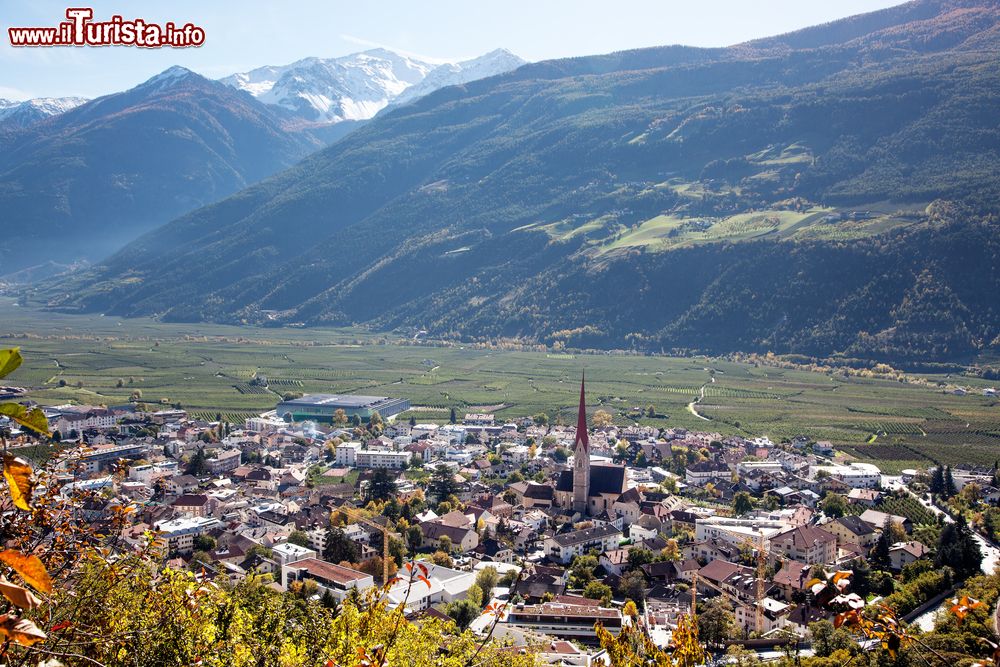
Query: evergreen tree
{"x": 958, "y": 549}
{"x": 339, "y": 547}
{"x": 381, "y": 486}
{"x": 880, "y": 554}
{"x": 330, "y": 602}
{"x": 442, "y": 483}
{"x": 861, "y": 580}
{"x": 937, "y": 481}
{"x": 949, "y": 483}
{"x": 453, "y": 417}
{"x": 197, "y": 465}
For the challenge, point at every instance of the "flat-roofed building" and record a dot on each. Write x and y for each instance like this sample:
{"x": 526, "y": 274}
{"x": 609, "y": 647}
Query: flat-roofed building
{"x": 180, "y": 533}
{"x": 286, "y": 552}
{"x": 322, "y": 407}
{"x": 336, "y": 579}
{"x": 737, "y": 531}
{"x": 376, "y": 458}
{"x": 855, "y": 475}
{"x": 565, "y": 620}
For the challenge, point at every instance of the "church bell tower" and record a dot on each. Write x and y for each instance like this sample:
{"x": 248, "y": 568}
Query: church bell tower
{"x": 581, "y": 458}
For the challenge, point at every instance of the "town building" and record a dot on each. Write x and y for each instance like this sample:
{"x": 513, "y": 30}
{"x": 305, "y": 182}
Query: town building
{"x": 335, "y": 579}
{"x": 323, "y": 407}
{"x": 564, "y": 547}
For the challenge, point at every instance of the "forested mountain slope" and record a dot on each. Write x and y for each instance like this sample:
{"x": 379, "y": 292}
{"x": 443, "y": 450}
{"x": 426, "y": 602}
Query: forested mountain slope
{"x": 831, "y": 190}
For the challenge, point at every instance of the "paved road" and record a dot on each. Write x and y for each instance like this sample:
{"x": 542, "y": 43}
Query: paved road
{"x": 991, "y": 554}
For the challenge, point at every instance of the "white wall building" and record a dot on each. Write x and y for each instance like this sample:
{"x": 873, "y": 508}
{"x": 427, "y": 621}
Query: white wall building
{"x": 737, "y": 531}
{"x": 286, "y": 553}
{"x": 370, "y": 458}
{"x": 347, "y": 454}
{"x": 856, "y": 475}
{"x": 180, "y": 533}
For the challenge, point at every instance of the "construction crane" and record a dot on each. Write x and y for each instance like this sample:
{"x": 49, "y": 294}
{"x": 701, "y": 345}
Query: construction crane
{"x": 352, "y": 513}
{"x": 759, "y": 592}
{"x": 761, "y": 567}
{"x": 694, "y": 596}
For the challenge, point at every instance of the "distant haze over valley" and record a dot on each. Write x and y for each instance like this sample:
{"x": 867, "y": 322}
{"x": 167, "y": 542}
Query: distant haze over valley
{"x": 81, "y": 178}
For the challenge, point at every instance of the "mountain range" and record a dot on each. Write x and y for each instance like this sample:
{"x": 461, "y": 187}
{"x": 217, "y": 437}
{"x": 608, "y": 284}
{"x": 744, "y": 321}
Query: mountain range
{"x": 831, "y": 191}
{"x": 82, "y": 183}
{"x": 18, "y": 115}
{"x": 79, "y": 179}
{"x": 358, "y": 86}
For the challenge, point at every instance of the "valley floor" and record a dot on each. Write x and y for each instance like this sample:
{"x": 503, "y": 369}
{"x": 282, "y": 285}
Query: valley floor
{"x": 207, "y": 369}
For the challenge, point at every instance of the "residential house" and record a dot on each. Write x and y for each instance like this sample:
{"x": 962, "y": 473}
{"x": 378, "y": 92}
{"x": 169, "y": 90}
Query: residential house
{"x": 852, "y": 530}
{"x": 807, "y": 544}
{"x": 877, "y": 520}
{"x": 564, "y": 547}
{"x": 904, "y": 553}
{"x": 463, "y": 539}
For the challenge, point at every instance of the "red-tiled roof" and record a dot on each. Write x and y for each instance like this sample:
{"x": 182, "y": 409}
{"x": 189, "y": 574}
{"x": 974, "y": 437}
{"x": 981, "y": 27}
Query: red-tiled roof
{"x": 328, "y": 571}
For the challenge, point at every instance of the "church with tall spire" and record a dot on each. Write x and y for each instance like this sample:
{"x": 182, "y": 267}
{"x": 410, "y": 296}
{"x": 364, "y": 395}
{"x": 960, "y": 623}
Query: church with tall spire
{"x": 586, "y": 488}
{"x": 581, "y": 457}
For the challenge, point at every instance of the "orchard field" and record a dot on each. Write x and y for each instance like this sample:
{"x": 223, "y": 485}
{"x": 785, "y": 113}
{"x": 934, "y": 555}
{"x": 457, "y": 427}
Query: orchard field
{"x": 208, "y": 370}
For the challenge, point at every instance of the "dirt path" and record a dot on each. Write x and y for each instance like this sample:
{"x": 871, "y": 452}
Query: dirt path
{"x": 701, "y": 395}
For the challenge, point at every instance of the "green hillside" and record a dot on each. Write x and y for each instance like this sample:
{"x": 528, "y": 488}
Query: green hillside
{"x": 824, "y": 192}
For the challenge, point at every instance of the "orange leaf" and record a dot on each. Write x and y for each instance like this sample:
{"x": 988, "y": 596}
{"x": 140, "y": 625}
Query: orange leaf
{"x": 18, "y": 474}
{"x": 30, "y": 568}
{"x": 20, "y": 630}
{"x": 19, "y": 595}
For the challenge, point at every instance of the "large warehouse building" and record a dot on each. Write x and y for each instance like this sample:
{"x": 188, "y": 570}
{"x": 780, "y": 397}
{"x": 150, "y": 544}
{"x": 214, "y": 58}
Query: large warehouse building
{"x": 321, "y": 407}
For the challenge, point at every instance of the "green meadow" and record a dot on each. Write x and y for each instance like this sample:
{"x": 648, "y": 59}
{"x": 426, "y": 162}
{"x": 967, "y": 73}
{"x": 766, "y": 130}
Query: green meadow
{"x": 207, "y": 370}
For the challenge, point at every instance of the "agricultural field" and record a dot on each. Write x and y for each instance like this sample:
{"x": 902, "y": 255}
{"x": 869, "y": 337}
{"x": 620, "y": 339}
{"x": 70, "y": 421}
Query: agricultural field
{"x": 208, "y": 369}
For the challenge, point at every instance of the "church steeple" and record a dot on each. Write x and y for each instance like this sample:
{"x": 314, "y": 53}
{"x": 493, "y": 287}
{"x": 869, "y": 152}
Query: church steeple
{"x": 581, "y": 420}
{"x": 581, "y": 457}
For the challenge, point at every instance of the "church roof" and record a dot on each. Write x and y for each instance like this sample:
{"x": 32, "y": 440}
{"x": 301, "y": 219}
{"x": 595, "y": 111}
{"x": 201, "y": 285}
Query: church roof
{"x": 604, "y": 478}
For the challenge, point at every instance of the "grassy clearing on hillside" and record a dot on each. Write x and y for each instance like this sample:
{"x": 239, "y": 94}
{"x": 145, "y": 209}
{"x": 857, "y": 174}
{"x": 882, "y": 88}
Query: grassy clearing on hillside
{"x": 666, "y": 232}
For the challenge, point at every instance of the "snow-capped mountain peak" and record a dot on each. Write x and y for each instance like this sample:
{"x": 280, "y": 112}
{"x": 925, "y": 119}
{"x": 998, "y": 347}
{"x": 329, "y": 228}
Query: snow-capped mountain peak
{"x": 22, "y": 114}
{"x": 499, "y": 61}
{"x": 352, "y": 87}
{"x": 168, "y": 77}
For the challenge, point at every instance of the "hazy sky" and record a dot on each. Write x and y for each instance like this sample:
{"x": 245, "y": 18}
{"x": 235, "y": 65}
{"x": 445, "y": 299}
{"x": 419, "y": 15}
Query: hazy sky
{"x": 245, "y": 34}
